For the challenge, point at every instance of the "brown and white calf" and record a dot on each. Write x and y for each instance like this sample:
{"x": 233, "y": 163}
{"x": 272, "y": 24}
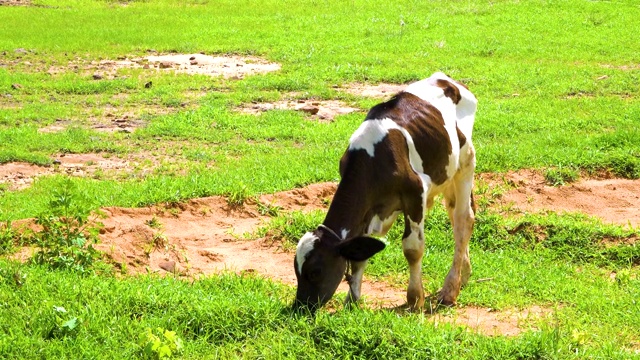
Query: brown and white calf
{"x": 408, "y": 150}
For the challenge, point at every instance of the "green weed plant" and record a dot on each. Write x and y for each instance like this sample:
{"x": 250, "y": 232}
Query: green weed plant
{"x": 68, "y": 234}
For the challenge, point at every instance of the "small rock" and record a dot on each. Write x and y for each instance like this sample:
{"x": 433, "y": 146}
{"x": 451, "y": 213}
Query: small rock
{"x": 165, "y": 65}
{"x": 20, "y": 51}
{"x": 97, "y": 77}
{"x": 148, "y": 84}
{"x": 193, "y": 62}
{"x": 192, "y": 58}
{"x": 57, "y": 162}
{"x": 169, "y": 266}
{"x": 107, "y": 229}
{"x": 16, "y": 86}
{"x": 310, "y": 109}
{"x": 145, "y": 66}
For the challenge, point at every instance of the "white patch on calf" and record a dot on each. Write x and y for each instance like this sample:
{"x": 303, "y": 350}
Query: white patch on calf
{"x": 369, "y": 134}
{"x": 461, "y": 115}
{"x": 414, "y": 240}
{"x": 379, "y": 226}
{"x": 372, "y": 131}
{"x": 305, "y": 246}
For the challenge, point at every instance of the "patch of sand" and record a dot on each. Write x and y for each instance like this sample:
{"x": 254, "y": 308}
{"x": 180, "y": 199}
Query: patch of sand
{"x": 511, "y": 322}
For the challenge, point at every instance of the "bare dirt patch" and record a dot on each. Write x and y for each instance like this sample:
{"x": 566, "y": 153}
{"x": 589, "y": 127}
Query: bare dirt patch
{"x": 382, "y": 90}
{"x": 235, "y": 67}
{"x": 325, "y": 109}
{"x": 510, "y": 322}
{"x": 17, "y": 175}
{"x": 111, "y": 121}
{"x": 612, "y": 200}
{"x": 207, "y": 236}
{"x": 15, "y": 2}
{"x": 320, "y": 109}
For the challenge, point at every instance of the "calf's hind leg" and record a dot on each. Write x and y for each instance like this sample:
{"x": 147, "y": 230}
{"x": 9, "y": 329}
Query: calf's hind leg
{"x": 463, "y": 218}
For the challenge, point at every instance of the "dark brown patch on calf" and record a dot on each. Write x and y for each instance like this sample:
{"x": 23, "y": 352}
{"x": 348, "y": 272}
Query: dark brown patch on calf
{"x": 450, "y": 90}
{"x": 461, "y": 137}
{"x": 425, "y": 124}
{"x": 372, "y": 184}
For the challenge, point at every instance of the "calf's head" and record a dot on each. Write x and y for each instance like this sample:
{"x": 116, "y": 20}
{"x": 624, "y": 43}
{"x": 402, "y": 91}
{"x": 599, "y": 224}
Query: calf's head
{"x": 321, "y": 261}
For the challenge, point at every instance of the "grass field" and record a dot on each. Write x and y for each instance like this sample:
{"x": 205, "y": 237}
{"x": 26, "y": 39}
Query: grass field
{"x": 559, "y": 88}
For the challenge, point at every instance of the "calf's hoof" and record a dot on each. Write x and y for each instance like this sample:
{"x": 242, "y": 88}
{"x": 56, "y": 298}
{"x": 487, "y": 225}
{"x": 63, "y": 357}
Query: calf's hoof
{"x": 415, "y": 302}
{"x": 445, "y": 299}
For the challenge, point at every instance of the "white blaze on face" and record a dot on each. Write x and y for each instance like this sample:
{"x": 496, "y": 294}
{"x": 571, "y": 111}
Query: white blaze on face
{"x": 305, "y": 246}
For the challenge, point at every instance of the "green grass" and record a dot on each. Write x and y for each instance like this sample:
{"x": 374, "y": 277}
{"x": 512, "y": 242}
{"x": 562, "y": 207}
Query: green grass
{"x": 558, "y": 86}
{"x": 556, "y": 82}
{"x": 238, "y": 316}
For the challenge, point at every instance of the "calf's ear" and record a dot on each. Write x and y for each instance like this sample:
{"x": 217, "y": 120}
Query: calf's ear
{"x": 360, "y": 248}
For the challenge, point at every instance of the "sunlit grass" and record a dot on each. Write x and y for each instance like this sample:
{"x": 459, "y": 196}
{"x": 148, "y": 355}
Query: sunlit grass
{"x": 558, "y": 87}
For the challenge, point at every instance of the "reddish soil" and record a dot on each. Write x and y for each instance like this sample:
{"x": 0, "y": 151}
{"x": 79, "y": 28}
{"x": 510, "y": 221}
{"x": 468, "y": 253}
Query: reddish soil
{"x": 612, "y": 200}
{"x": 382, "y": 90}
{"x": 205, "y": 236}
